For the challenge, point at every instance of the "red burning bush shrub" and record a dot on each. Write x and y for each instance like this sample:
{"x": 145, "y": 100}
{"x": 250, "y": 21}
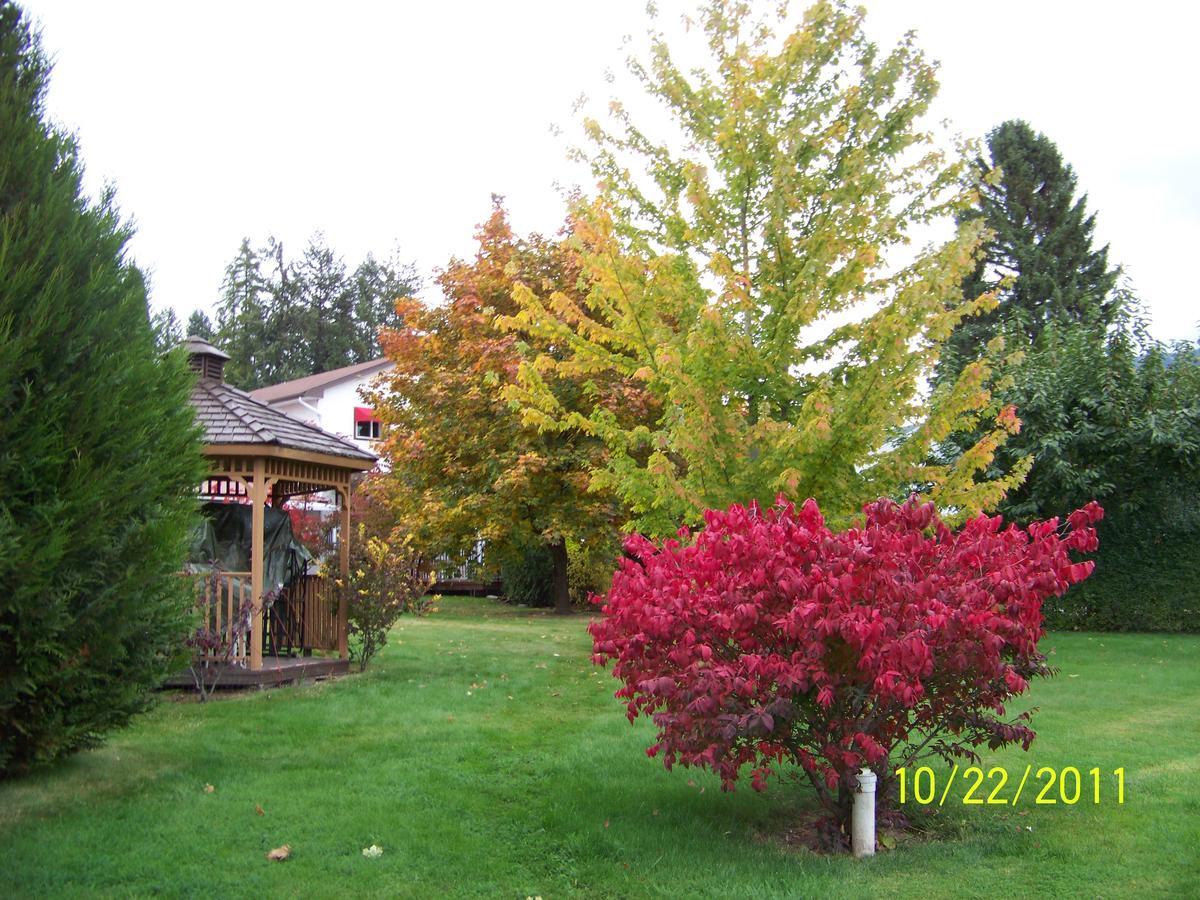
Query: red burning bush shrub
{"x": 767, "y": 638}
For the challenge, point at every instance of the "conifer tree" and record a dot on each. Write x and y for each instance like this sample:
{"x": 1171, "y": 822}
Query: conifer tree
{"x": 99, "y": 451}
{"x": 1039, "y": 259}
{"x": 167, "y": 332}
{"x": 281, "y": 318}
{"x": 199, "y": 325}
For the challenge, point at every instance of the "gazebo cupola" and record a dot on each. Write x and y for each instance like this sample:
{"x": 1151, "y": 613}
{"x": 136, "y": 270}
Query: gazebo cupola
{"x": 259, "y": 455}
{"x": 204, "y": 358}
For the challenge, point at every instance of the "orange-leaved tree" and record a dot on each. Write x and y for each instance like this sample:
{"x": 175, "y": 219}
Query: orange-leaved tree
{"x": 463, "y": 465}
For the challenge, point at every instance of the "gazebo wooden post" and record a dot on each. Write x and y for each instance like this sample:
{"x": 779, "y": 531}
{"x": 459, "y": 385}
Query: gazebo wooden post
{"x": 344, "y": 568}
{"x": 258, "y": 497}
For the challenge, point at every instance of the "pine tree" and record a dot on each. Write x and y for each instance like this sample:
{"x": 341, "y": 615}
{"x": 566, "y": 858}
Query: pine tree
{"x": 1039, "y": 259}
{"x": 280, "y": 318}
{"x": 99, "y": 452}
{"x": 376, "y": 287}
{"x": 328, "y": 307}
{"x": 199, "y": 325}
{"x": 242, "y": 319}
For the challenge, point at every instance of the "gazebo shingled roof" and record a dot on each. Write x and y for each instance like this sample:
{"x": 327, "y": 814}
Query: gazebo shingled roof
{"x": 231, "y": 416}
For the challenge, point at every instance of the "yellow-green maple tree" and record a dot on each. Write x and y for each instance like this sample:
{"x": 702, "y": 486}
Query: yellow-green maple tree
{"x": 462, "y": 464}
{"x": 756, "y": 282}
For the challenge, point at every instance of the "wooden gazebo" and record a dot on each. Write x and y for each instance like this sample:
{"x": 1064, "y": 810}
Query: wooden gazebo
{"x": 259, "y": 455}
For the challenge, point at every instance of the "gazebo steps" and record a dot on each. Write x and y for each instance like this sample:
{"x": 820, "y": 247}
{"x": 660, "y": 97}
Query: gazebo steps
{"x": 275, "y": 670}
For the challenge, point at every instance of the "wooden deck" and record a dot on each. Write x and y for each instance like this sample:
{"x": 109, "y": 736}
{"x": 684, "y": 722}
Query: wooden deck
{"x": 275, "y": 670}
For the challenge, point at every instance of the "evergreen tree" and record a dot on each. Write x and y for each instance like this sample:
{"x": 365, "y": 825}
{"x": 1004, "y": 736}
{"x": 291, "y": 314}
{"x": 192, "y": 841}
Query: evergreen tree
{"x": 242, "y": 327}
{"x": 375, "y": 287}
{"x": 99, "y": 452}
{"x": 167, "y": 332}
{"x": 280, "y": 319}
{"x": 199, "y": 325}
{"x": 1039, "y": 260}
{"x": 328, "y": 307}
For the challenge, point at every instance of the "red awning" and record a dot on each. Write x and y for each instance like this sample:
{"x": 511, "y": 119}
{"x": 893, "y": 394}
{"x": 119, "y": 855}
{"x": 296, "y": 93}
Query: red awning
{"x": 364, "y": 414}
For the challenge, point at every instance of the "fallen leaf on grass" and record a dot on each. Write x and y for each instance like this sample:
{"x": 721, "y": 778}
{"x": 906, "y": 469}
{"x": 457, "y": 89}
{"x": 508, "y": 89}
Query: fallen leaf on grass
{"x": 373, "y": 852}
{"x": 279, "y": 854}
{"x": 556, "y": 694}
{"x": 208, "y": 789}
{"x": 258, "y": 809}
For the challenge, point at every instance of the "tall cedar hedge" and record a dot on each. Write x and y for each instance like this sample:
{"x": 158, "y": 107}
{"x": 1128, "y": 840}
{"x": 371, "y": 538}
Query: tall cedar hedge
{"x": 99, "y": 450}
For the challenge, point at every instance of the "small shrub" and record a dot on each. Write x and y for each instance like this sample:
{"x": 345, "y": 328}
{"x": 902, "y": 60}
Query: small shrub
{"x": 527, "y": 573}
{"x": 386, "y": 581}
{"x": 767, "y": 638}
{"x": 590, "y": 568}
{"x": 213, "y": 646}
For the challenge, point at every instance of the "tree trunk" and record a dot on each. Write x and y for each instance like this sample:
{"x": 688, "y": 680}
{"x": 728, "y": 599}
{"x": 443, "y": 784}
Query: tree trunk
{"x": 562, "y": 596}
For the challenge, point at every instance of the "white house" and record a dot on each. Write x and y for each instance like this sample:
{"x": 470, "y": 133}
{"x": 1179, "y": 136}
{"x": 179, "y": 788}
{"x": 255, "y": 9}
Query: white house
{"x": 332, "y": 401}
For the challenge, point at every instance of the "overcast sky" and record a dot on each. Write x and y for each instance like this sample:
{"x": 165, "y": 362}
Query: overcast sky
{"x": 389, "y": 125}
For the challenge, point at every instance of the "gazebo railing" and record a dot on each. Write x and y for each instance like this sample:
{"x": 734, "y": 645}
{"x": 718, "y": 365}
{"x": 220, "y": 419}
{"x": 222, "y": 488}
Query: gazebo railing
{"x": 302, "y": 617}
{"x": 220, "y": 597}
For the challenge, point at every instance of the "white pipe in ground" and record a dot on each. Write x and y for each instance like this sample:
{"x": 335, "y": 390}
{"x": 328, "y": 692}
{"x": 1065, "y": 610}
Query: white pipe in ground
{"x": 862, "y": 815}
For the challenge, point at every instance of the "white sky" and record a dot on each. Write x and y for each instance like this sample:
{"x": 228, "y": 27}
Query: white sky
{"x": 388, "y": 125}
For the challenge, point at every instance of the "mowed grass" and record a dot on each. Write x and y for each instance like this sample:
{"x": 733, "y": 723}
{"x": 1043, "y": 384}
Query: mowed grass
{"x": 486, "y": 755}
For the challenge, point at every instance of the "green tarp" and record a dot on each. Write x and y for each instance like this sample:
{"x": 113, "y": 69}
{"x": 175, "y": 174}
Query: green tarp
{"x": 223, "y": 538}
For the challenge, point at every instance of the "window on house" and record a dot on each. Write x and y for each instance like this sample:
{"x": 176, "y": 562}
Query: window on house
{"x": 366, "y": 426}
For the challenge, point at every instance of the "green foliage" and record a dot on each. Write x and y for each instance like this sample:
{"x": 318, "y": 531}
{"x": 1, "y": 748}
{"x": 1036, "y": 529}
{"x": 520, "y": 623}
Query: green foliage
{"x": 750, "y": 271}
{"x": 590, "y": 571}
{"x": 199, "y": 325}
{"x": 1118, "y": 419}
{"x": 527, "y": 571}
{"x": 1106, "y": 412}
{"x": 1147, "y": 578}
{"x": 527, "y": 574}
{"x": 167, "y": 332}
{"x": 281, "y": 318}
{"x": 1038, "y": 259}
{"x": 99, "y": 453}
{"x": 1108, "y": 416}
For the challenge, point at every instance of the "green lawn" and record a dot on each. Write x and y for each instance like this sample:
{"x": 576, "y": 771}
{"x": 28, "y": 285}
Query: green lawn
{"x": 487, "y": 757}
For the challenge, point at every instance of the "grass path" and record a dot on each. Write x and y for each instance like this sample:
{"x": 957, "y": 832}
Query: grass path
{"x": 486, "y": 755}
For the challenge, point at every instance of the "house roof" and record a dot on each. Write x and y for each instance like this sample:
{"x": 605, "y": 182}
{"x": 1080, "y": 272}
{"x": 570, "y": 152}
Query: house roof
{"x": 314, "y": 385}
{"x": 230, "y": 416}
